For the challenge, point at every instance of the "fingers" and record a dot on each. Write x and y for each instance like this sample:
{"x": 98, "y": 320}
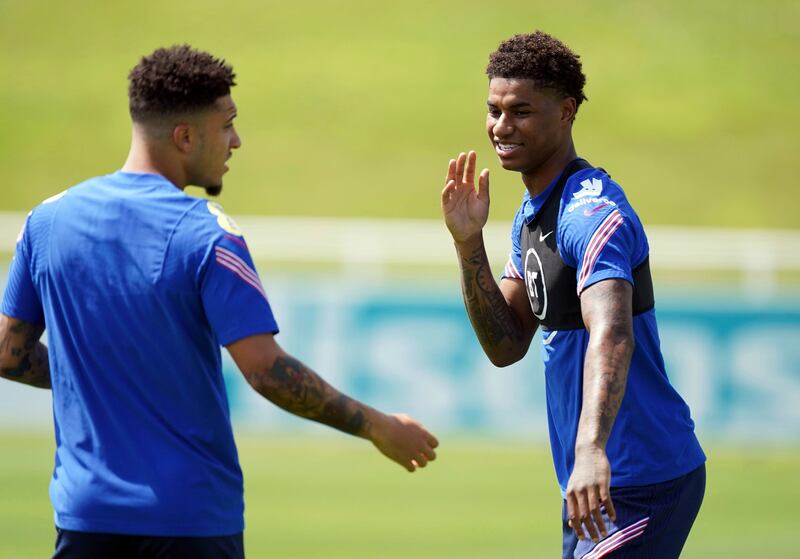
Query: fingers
{"x": 586, "y": 516}
{"x": 597, "y": 514}
{"x": 447, "y": 191}
{"x": 432, "y": 441}
{"x": 574, "y": 515}
{"x": 469, "y": 173}
{"x": 483, "y": 185}
{"x": 451, "y": 171}
{"x": 460, "y": 165}
{"x": 609, "y": 504}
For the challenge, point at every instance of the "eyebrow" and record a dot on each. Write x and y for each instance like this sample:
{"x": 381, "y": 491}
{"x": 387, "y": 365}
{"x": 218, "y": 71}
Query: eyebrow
{"x": 514, "y": 106}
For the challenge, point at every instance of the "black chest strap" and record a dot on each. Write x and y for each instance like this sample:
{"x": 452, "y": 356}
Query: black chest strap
{"x": 551, "y": 284}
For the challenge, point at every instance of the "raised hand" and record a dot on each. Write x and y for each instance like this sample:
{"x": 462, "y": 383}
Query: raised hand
{"x": 465, "y": 209}
{"x": 404, "y": 440}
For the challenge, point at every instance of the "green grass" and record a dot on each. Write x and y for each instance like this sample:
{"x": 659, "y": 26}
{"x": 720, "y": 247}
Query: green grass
{"x": 353, "y": 108}
{"x": 337, "y": 498}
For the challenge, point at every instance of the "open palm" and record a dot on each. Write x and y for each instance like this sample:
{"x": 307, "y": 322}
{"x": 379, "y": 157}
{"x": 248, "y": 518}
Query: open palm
{"x": 465, "y": 208}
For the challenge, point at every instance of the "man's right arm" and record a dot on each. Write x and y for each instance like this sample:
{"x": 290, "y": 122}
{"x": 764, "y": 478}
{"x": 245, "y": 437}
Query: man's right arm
{"x": 501, "y": 315}
{"x": 291, "y": 385}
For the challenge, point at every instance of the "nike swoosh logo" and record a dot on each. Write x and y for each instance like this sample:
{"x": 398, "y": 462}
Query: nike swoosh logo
{"x": 543, "y": 237}
{"x": 549, "y": 338}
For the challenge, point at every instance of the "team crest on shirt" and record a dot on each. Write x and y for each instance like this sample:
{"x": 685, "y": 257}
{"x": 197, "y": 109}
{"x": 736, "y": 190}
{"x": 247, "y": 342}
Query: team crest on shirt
{"x": 223, "y": 220}
{"x": 535, "y": 284}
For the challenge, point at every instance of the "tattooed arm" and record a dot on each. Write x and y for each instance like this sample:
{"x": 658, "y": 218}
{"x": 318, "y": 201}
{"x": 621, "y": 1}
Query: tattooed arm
{"x": 606, "y": 310}
{"x": 501, "y": 315}
{"x": 291, "y": 385}
{"x": 23, "y": 358}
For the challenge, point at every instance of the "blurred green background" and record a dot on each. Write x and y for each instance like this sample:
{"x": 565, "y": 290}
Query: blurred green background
{"x": 353, "y": 109}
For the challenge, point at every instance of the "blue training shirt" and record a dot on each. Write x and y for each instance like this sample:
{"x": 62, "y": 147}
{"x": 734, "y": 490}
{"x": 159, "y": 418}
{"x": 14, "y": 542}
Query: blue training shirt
{"x": 600, "y": 235}
{"x": 138, "y": 285}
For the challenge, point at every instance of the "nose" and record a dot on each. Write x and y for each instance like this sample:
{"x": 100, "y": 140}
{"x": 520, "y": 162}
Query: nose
{"x": 502, "y": 126}
{"x": 236, "y": 141}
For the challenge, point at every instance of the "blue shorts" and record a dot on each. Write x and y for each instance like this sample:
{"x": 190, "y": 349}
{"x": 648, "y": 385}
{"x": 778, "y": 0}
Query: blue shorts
{"x": 653, "y": 521}
{"x": 90, "y": 545}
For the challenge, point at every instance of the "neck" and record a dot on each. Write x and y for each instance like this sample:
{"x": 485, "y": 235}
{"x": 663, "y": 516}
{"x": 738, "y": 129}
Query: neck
{"x": 537, "y": 180}
{"x": 147, "y": 156}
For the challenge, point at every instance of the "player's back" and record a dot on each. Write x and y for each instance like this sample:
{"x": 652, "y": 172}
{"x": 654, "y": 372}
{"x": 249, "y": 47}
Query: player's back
{"x": 142, "y": 421}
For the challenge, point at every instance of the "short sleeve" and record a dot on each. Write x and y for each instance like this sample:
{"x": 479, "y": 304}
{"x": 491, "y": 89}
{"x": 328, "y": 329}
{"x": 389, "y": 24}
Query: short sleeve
{"x": 21, "y": 300}
{"x": 514, "y": 262}
{"x": 600, "y": 248}
{"x": 233, "y": 297}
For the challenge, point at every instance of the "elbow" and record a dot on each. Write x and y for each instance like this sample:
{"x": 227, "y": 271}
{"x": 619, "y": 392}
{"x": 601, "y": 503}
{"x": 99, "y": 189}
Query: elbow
{"x": 502, "y": 359}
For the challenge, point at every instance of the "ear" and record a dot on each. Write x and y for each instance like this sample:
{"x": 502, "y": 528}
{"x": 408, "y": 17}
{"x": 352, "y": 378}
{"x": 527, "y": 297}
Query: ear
{"x": 184, "y": 136}
{"x": 568, "y": 109}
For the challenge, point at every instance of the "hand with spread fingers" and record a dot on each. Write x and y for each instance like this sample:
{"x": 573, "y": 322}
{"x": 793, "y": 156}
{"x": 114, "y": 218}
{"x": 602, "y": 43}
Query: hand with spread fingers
{"x": 402, "y": 439}
{"x": 465, "y": 209}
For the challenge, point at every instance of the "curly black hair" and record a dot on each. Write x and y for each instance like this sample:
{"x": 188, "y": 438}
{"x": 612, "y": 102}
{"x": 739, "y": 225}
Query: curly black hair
{"x": 176, "y": 80}
{"x": 542, "y": 58}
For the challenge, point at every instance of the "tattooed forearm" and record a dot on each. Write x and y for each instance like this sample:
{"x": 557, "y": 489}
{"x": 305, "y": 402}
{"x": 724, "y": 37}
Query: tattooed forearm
{"x": 22, "y": 357}
{"x": 607, "y": 313}
{"x": 498, "y": 328}
{"x": 299, "y": 390}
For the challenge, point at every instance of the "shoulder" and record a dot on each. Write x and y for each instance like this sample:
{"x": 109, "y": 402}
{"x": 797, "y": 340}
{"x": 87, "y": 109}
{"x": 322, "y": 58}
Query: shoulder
{"x": 593, "y": 203}
{"x": 589, "y": 197}
{"x": 591, "y": 190}
{"x": 206, "y": 224}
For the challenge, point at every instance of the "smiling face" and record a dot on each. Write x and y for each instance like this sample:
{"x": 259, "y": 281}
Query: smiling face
{"x": 216, "y": 139}
{"x": 528, "y": 127}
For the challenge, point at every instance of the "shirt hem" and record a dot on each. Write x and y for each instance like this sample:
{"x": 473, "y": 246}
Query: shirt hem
{"x": 74, "y": 524}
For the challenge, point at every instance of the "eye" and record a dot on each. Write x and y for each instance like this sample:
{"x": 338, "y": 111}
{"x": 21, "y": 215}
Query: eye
{"x": 494, "y": 112}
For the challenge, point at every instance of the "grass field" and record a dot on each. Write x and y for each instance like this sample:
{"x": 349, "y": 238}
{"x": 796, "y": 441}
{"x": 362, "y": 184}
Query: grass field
{"x": 337, "y": 498}
{"x": 353, "y": 108}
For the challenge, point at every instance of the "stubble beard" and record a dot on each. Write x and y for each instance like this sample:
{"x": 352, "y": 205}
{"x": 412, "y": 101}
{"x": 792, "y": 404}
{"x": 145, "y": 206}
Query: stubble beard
{"x": 214, "y": 190}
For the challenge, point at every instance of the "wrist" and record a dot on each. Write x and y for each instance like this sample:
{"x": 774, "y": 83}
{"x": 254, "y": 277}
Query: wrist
{"x": 373, "y": 419}
{"x": 588, "y": 448}
{"x": 469, "y": 243}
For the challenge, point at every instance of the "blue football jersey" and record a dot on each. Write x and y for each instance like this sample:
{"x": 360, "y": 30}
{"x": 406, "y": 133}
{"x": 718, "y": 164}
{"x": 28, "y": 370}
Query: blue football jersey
{"x": 138, "y": 285}
{"x": 600, "y": 236}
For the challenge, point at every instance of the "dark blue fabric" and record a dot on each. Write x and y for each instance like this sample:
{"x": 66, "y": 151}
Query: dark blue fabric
{"x": 653, "y": 521}
{"x": 87, "y": 545}
{"x": 600, "y": 235}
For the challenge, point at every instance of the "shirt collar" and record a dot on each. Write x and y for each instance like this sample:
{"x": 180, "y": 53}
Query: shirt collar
{"x": 531, "y": 206}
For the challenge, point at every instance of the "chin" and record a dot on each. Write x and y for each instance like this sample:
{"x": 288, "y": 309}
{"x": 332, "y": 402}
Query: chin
{"x": 512, "y": 166}
{"x": 214, "y": 190}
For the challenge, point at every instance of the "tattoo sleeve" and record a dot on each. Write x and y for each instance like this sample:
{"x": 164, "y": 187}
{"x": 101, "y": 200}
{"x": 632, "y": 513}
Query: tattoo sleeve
{"x": 499, "y": 330}
{"x": 23, "y": 358}
{"x": 294, "y": 387}
{"x": 606, "y": 308}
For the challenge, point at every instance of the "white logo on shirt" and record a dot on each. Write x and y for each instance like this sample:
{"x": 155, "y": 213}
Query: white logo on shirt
{"x": 590, "y": 188}
{"x": 535, "y": 284}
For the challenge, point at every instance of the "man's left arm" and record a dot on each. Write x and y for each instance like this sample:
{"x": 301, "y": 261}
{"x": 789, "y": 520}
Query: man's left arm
{"x": 23, "y": 358}
{"x": 606, "y": 308}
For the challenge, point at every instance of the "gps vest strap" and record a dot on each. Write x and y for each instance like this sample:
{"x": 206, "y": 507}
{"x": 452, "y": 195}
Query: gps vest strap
{"x": 551, "y": 284}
